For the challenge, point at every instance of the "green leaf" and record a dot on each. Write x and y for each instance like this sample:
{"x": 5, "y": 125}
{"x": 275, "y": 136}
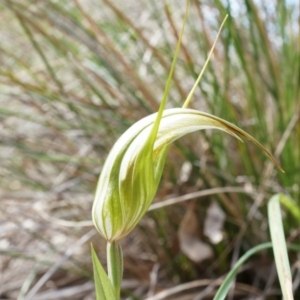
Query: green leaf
{"x": 279, "y": 247}
{"x": 103, "y": 287}
{"x": 291, "y": 206}
{"x": 225, "y": 286}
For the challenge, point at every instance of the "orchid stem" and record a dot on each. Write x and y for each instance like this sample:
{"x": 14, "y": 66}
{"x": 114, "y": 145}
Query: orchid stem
{"x": 115, "y": 266}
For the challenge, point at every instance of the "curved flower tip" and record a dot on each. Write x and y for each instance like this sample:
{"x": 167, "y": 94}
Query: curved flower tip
{"x": 132, "y": 171}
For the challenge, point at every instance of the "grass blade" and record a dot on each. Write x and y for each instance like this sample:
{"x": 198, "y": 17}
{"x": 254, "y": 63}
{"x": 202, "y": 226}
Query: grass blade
{"x": 224, "y": 288}
{"x": 279, "y": 247}
{"x": 289, "y": 204}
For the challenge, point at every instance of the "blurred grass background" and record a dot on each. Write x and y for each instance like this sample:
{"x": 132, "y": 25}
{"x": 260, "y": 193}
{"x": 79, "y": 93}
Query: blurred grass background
{"x": 74, "y": 75}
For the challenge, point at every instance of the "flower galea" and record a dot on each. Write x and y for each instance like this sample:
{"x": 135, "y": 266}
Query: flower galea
{"x": 131, "y": 174}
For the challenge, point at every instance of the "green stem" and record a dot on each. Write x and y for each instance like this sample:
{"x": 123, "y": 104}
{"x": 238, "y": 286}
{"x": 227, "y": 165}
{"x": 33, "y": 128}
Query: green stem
{"x": 115, "y": 266}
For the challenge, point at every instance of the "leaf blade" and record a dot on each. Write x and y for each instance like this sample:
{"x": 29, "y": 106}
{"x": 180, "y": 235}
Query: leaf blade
{"x": 103, "y": 287}
{"x": 225, "y": 286}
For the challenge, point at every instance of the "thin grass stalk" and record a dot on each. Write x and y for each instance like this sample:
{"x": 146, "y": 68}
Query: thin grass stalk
{"x": 143, "y": 38}
{"x": 106, "y": 42}
{"x": 37, "y": 47}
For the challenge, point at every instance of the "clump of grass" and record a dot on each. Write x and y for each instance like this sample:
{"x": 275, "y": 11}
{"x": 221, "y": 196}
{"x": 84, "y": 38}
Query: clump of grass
{"x": 74, "y": 77}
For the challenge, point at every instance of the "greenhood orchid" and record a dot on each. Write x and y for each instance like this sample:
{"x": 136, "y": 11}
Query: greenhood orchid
{"x": 131, "y": 174}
